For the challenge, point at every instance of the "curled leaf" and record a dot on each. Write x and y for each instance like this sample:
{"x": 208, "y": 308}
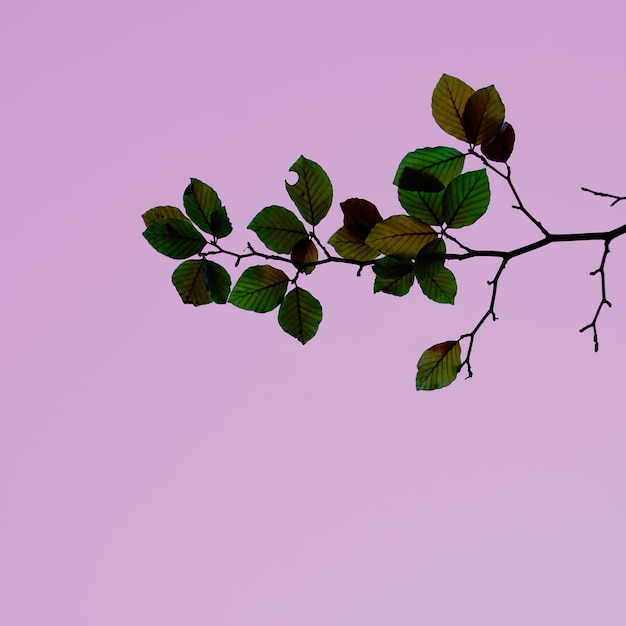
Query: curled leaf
{"x": 205, "y": 209}
{"x": 500, "y": 146}
{"x": 304, "y": 252}
{"x": 359, "y": 217}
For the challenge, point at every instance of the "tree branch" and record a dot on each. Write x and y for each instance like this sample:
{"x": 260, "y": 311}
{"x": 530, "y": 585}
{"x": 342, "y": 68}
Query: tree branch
{"x": 468, "y": 253}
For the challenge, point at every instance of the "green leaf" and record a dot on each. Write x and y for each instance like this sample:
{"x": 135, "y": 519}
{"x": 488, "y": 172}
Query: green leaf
{"x": 429, "y": 169}
{"x": 393, "y": 275}
{"x": 423, "y": 205}
{"x": 438, "y": 366}
{"x": 174, "y": 237}
{"x": 413, "y": 179}
{"x": 449, "y": 99}
{"x": 260, "y": 288}
{"x": 430, "y": 259}
{"x": 483, "y": 115}
{"x": 201, "y": 282}
{"x": 441, "y": 287}
{"x": 278, "y": 228}
{"x": 313, "y": 193}
{"x": 400, "y": 235}
{"x": 217, "y": 281}
{"x": 304, "y": 252}
{"x": 300, "y": 315}
{"x": 161, "y": 212}
{"x": 349, "y": 246}
{"x": 466, "y": 198}
{"x": 188, "y": 278}
{"x": 205, "y": 209}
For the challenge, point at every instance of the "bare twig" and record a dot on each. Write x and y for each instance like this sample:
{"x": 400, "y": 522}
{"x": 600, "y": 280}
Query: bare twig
{"x": 520, "y": 205}
{"x": 603, "y": 300}
{"x": 489, "y": 313}
{"x": 605, "y": 195}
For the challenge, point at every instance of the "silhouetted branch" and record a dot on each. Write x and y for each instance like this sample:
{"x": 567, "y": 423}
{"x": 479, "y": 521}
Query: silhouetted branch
{"x": 520, "y": 205}
{"x": 603, "y": 300}
{"x": 605, "y": 195}
{"x": 469, "y": 253}
{"x": 483, "y": 319}
{"x": 277, "y": 257}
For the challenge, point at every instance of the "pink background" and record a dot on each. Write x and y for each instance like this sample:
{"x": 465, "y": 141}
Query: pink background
{"x": 163, "y": 465}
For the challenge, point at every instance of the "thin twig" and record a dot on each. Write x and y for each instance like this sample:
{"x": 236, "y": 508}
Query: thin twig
{"x": 490, "y": 312}
{"x": 520, "y": 205}
{"x": 605, "y": 195}
{"x": 447, "y": 235}
{"x": 603, "y": 300}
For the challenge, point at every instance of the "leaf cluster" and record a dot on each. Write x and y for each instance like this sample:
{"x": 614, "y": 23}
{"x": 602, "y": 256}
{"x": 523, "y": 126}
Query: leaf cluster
{"x": 437, "y": 198}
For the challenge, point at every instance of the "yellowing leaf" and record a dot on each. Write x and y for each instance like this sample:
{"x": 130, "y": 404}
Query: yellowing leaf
{"x": 162, "y": 212}
{"x": 483, "y": 115}
{"x": 438, "y": 366}
{"x": 449, "y": 99}
{"x": 350, "y": 246}
{"x": 188, "y": 278}
{"x": 400, "y": 235}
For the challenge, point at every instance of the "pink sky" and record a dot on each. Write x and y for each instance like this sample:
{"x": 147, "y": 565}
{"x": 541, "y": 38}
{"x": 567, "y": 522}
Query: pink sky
{"x": 161, "y": 464}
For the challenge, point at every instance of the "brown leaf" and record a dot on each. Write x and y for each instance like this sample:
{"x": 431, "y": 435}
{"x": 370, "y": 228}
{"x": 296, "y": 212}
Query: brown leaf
{"x": 304, "y": 252}
{"x": 500, "y": 147}
{"x": 483, "y": 115}
{"x": 359, "y": 217}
